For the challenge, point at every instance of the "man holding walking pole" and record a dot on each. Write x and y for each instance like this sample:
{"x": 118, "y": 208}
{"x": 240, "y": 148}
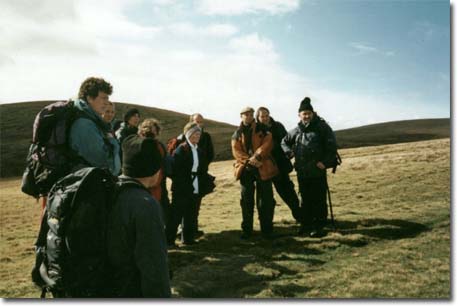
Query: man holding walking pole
{"x": 313, "y": 144}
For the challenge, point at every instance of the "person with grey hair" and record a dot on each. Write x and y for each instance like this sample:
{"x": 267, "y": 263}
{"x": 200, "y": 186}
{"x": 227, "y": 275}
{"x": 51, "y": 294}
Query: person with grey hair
{"x": 206, "y": 146}
{"x": 188, "y": 168}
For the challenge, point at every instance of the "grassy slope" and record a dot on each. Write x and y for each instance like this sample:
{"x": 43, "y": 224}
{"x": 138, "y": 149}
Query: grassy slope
{"x": 394, "y": 132}
{"x": 16, "y": 122}
{"x": 392, "y": 205}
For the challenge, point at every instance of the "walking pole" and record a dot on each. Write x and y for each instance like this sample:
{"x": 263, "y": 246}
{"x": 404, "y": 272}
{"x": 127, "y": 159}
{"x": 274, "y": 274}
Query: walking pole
{"x": 330, "y": 203}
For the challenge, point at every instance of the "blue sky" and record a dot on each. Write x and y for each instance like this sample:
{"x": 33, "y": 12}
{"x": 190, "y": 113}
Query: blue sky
{"x": 360, "y": 61}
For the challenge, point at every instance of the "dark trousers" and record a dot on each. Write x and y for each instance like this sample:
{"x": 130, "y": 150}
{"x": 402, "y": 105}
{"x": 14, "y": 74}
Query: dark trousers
{"x": 250, "y": 183}
{"x": 313, "y": 198}
{"x": 183, "y": 210}
{"x": 285, "y": 188}
{"x": 165, "y": 203}
{"x": 199, "y": 202}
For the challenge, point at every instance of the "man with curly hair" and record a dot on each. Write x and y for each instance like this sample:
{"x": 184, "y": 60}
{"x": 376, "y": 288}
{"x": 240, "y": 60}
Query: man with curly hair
{"x": 90, "y": 135}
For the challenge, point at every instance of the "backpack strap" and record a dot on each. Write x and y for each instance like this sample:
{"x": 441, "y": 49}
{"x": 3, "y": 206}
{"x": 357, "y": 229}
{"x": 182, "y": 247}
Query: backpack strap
{"x": 127, "y": 182}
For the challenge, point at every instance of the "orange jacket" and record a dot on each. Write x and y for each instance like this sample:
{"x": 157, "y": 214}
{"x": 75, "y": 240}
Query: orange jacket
{"x": 156, "y": 190}
{"x": 262, "y": 144}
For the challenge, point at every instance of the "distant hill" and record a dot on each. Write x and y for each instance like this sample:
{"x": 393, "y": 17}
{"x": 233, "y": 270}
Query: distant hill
{"x": 16, "y": 122}
{"x": 394, "y": 132}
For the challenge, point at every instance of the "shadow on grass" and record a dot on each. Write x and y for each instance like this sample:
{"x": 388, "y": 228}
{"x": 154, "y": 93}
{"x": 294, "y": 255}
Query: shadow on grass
{"x": 390, "y": 229}
{"x": 222, "y": 265}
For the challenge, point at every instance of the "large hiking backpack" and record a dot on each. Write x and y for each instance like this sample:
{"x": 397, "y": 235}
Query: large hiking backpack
{"x": 71, "y": 248}
{"x": 50, "y": 157}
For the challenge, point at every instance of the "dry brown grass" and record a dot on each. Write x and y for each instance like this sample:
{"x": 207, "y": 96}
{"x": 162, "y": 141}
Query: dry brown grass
{"x": 392, "y": 206}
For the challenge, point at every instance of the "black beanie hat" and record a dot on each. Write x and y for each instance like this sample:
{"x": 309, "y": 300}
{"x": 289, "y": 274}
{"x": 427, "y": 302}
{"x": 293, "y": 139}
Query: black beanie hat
{"x": 305, "y": 105}
{"x": 130, "y": 112}
{"x": 140, "y": 157}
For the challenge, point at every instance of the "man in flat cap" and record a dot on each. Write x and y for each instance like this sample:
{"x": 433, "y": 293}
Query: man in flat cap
{"x": 137, "y": 247}
{"x": 251, "y": 147}
{"x": 313, "y": 144}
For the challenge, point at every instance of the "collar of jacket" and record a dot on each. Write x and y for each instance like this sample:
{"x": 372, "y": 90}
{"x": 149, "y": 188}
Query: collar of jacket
{"x": 272, "y": 122}
{"x": 84, "y": 107}
{"x": 191, "y": 146}
{"x": 243, "y": 126}
{"x": 255, "y": 129}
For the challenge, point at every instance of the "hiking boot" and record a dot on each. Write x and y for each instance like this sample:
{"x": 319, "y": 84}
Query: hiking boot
{"x": 199, "y": 234}
{"x": 304, "y": 230}
{"x": 190, "y": 242}
{"x": 171, "y": 246}
{"x": 245, "y": 235}
{"x": 317, "y": 233}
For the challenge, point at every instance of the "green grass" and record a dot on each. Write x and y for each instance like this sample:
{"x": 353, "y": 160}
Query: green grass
{"x": 392, "y": 207}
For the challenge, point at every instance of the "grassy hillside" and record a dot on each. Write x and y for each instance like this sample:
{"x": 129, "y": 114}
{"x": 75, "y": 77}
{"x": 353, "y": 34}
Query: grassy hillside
{"x": 394, "y": 132}
{"x": 16, "y": 122}
{"x": 391, "y": 203}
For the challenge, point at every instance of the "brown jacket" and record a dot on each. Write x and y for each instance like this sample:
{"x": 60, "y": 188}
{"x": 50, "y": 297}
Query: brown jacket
{"x": 262, "y": 144}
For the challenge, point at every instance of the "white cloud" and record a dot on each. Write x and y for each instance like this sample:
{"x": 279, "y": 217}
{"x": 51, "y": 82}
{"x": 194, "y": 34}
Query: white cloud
{"x": 390, "y": 53}
{"x": 215, "y": 30}
{"x": 164, "y": 2}
{"x": 79, "y": 30}
{"x": 363, "y": 48}
{"x": 43, "y": 11}
{"x": 253, "y": 44}
{"x": 218, "y": 73}
{"x": 240, "y": 7}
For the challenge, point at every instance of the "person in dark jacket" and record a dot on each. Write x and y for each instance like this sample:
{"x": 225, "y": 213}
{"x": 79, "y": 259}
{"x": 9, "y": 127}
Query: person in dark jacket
{"x": 129, "y": 126}
{"x": 137, "y": 248}
{"x": 188, "y": 168}
{"x": 251, "y": 147}
{"x": 206, "y": 147}
{"x": 313, "y": 144}
{"x": 282, "y": 182}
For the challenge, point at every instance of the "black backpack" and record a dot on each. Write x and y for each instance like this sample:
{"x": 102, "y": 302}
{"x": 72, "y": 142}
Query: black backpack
{"x": 337, "y": 160}
{"x": 71, "y": 250}
{"x": 50, "y": 157}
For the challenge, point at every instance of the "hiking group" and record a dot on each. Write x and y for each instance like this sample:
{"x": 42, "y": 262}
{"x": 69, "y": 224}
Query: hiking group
{"x": 107, "y": 219}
